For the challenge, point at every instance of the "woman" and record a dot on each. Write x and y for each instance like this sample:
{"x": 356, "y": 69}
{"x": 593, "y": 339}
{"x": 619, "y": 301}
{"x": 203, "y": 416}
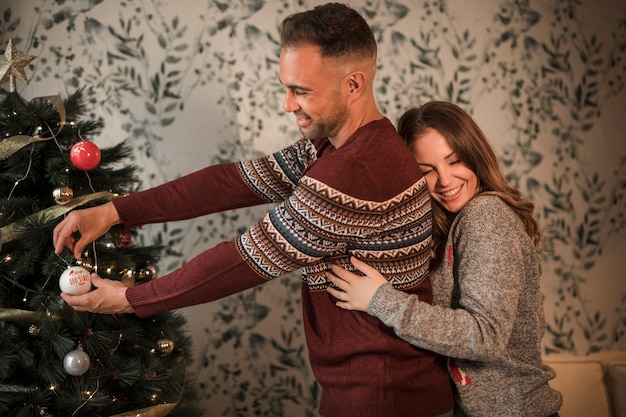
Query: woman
{"x": 487, "y": 312}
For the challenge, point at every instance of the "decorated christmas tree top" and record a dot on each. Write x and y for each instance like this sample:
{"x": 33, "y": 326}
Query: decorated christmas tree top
{"x": 54, "y": 361}
{"x": 12, "y": 65}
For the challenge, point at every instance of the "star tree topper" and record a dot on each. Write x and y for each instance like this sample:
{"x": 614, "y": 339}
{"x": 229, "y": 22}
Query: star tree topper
{"x": 12, "y": 65}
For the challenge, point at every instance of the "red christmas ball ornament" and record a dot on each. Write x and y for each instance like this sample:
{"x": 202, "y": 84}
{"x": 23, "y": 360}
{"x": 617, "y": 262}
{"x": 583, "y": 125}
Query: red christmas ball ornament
{"x": 85, "y": 155}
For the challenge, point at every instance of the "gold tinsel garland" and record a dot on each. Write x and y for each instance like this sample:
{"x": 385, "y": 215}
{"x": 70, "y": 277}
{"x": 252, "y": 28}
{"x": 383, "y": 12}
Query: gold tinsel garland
{"x": 12, "y": 144}
{"x": 16, "y": 315}
{"x": 13, "y": 230}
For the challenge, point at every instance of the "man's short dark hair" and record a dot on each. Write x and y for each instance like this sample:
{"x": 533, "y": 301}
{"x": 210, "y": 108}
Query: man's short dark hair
{"x": 336, "y": 28}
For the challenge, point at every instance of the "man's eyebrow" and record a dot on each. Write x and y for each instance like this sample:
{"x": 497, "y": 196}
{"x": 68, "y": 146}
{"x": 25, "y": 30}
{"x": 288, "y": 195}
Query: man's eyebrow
{"x": 293, "y": 86}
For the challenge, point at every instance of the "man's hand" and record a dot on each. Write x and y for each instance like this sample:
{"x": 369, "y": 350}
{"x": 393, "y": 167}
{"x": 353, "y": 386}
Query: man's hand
{"x": 354, "y": 291}
{"x": 109, "y": 297}
{"x": 90, "y": 223}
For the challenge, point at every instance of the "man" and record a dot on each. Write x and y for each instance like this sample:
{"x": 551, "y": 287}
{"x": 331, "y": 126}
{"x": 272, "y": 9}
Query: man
{"x": 348, "y": 187}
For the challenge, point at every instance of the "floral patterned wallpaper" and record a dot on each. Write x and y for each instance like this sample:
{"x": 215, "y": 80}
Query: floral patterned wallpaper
{"x": 194, "y": 83}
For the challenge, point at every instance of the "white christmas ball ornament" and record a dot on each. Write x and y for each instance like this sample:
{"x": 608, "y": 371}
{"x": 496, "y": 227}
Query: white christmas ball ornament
{"x": 76, "y": 362}
{"x": 75, "y": 280}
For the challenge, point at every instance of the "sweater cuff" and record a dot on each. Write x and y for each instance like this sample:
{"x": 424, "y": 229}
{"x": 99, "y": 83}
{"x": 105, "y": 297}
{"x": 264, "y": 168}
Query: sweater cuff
{"x": 384, "y": 302}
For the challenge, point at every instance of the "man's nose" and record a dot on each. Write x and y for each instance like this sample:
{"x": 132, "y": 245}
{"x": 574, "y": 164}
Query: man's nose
{"x": 289, "y": 103}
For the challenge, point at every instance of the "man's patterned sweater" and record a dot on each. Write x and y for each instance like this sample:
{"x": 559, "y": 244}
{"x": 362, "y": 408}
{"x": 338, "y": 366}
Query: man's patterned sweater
{"x": 366, "y": 199}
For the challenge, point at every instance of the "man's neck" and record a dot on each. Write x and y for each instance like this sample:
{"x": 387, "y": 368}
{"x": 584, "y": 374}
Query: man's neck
{"x": 352, "y": 126}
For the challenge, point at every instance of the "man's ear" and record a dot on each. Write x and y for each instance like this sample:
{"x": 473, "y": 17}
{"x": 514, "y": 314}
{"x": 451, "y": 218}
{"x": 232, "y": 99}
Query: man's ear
{"x": 356, "y": 81}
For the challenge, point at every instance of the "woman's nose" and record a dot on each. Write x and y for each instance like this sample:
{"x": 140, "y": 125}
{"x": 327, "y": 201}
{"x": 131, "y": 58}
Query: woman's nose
{"x": 444, "y": 177}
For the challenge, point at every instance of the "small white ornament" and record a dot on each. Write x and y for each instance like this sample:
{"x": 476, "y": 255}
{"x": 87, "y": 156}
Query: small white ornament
{"x": 75, "y": 280}
{"x": 76, "y": 362}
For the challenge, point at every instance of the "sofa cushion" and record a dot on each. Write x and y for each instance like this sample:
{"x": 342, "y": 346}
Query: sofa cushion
{"x": 614, "y": 363}
{"x": 617, "y": 383}
{"x": 580, "y": 380}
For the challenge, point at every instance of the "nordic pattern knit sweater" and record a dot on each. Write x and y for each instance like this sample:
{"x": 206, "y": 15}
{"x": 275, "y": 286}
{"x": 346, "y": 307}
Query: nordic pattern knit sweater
{"x": 367, "y": 199}
{"x": 490, "y": 278}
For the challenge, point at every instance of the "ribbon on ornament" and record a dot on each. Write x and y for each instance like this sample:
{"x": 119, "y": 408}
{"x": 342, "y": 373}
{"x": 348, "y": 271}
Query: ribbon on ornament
{"x": 15, "y": 229}
{"x": 13, "y": 144}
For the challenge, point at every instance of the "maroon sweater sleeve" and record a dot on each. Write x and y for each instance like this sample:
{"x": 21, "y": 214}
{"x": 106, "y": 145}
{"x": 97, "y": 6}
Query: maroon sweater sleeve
{"x": 210, "y": 190}
{"x": 215, "y": 273}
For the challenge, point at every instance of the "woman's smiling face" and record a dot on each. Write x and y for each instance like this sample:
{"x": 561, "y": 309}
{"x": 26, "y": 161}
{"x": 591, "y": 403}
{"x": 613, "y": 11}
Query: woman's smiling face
{"x": 450, "y": 182}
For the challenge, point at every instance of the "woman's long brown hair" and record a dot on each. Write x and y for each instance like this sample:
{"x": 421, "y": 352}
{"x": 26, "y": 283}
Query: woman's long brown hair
{"x": 473, "y": 149}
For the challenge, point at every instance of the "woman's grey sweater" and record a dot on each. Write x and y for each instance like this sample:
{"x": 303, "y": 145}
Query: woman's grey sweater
{"x": 487, "y": 314}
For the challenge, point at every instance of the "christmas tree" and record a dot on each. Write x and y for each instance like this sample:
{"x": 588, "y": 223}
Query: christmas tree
{"x": 53, "y": 360}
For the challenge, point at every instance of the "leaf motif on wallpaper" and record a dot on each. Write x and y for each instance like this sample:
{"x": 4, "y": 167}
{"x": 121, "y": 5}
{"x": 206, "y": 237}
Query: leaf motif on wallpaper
{"x": 129, "y": 77}
{"x": 8, "y": 25}
{"x": 515, "y": 18}
{"x": 561, "y": 106}
{"x": 382, "y": 15}
{"x": 260, "y": 367}
{"x": 471, "y": 69}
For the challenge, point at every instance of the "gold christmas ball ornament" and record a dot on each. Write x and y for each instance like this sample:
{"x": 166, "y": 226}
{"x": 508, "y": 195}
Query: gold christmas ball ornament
{"x": 165, "y": 346}
{"x": 63, "y": 195}
{"x": 86, "y": 263}
{"x": 128, "y": 277}
{"x": 148, "y": 272}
